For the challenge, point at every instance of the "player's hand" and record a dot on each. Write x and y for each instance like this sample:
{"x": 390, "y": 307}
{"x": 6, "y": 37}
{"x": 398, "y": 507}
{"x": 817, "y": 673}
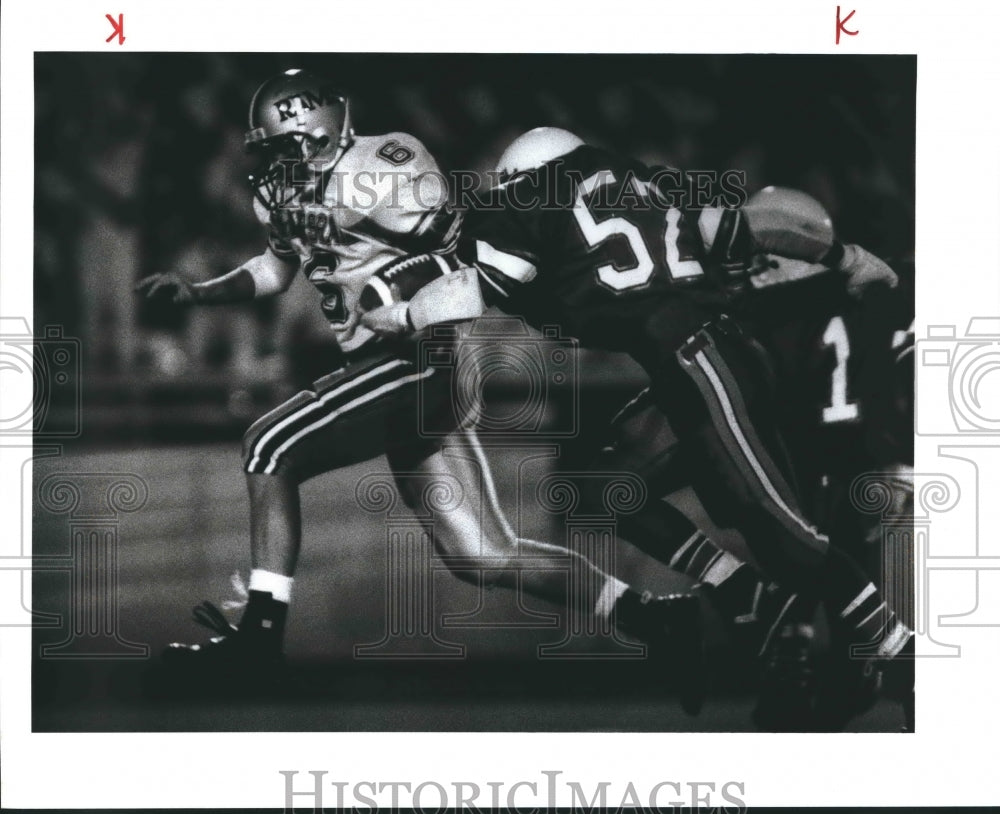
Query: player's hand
{"x": 863, "y": 268}
{"x": 388, "y": 320}
{"x": 767, "y": 270}
{"x": 179, "y": 289}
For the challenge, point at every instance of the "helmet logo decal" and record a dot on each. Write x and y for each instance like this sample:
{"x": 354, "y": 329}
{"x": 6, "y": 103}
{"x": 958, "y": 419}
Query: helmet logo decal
{"x": 295, "y": 105}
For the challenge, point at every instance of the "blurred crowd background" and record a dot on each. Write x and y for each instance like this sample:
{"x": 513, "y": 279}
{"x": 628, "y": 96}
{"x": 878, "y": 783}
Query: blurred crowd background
{"x": 139, "y": 169}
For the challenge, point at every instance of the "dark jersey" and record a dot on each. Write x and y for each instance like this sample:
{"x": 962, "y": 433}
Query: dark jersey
{"x": 591, "y": 241}
{"x": 841, "y": 394}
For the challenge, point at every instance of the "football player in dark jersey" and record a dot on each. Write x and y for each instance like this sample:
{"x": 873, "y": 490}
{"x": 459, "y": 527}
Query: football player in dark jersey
{"x": 598, "y": 244}
{"x": 843, "y": 397}
{"x": 845, "y": 406}
{"x": 844, "y": 402}
{"x": 340, "y": 207}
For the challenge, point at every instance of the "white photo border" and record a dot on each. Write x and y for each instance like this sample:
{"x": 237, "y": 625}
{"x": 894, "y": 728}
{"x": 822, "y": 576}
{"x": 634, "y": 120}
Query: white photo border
{"x": 948, "y": 761}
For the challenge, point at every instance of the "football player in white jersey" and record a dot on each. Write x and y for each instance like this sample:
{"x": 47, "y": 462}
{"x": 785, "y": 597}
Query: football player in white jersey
{"x": 340, "y": 206}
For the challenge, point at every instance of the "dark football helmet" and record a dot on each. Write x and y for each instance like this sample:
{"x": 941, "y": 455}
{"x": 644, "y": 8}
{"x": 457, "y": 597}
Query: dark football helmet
{"x": 299, "y": 127}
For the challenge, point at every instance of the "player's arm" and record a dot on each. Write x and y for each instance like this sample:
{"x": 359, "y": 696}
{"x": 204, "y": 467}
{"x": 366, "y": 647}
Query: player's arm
{"x": 792, "y": 224}
{"x": 265, "y": 275}
{"x": 496, "y": 255}
{"x": 416, "y": 292}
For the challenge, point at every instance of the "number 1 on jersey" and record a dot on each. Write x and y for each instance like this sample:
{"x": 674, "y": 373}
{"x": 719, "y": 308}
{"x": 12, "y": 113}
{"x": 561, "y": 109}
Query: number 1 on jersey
{"x": 840, "y": 409}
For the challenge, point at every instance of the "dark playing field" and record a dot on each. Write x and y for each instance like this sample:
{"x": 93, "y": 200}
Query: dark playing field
{"x": 190, "y": 536}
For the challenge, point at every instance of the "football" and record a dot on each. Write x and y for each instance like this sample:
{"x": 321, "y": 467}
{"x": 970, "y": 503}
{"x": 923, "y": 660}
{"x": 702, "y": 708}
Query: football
{"x": 399, "y": 280}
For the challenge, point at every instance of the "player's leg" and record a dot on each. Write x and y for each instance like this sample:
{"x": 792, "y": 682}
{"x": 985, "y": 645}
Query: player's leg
{"x": 642, "y": 442}
{"x": 743, "y": 478}
{"x": 477, "y": 539}
{"x": 339, "y": 422}
{"x": 719, "y": 401}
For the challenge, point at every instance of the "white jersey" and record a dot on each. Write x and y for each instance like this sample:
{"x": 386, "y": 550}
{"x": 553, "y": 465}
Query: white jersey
{"x": 383, "y": 200}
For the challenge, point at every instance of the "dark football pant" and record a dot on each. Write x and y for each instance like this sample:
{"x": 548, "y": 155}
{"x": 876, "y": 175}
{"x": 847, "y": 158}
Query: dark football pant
{"x": 380, "y": 402}
{"x": 717, "y": 394}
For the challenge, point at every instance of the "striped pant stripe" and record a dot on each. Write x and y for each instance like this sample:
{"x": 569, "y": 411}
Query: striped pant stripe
{"x": 311, "y": 406}
{"x": 325, "y": 419}
{"x": 763, "y": 455}
{"x": 746, "y": 450}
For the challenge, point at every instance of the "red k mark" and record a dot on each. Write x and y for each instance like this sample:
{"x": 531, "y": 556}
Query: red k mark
{"x": 841, "y": 25}
{"x": 117, "y": 28}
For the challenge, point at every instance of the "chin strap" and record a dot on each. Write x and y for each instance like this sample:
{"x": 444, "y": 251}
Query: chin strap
{"x": 346, "y": 137}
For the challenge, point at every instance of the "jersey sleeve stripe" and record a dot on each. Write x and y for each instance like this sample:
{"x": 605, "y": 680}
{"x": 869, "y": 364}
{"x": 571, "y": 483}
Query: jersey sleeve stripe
{"x": 442, "y": 264}
{"x": 484, "y": 275}
{"x": 708, "y": 225}
{"x": 510, "y": 265}
{"x": 722, "y": 248}
{"x": 383, "y": 290}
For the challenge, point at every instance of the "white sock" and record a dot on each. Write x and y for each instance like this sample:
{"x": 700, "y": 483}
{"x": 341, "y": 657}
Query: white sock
{"x": 278, "y": 585}
{"x": 610, "y": 593}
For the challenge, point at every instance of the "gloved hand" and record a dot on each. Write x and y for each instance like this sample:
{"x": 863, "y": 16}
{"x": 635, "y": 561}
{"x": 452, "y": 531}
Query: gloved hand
{"x": 388, "y": 320}
{"x": 178, "y": 288}
{"x": 862, "y": 269}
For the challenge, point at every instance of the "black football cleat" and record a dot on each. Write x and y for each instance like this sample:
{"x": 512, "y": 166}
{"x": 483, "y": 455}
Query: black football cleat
{"x": 787, "y": 682}
{"x": 232, "y": 651}
{"x": 680, "y": 647}
{"x": 849, "y": 689}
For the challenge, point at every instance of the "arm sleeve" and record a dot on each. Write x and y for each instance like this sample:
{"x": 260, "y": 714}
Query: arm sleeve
{"x": 260, "y": 276}
{"x": 725, "y": 237}
{"x": 272, "y": 273}
{"x": 504, "y": 241}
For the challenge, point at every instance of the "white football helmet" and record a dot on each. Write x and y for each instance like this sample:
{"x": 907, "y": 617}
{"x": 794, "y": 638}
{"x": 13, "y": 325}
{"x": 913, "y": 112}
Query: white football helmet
{"x": 295, "y": 117}
{"x": 535, "y": 148}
